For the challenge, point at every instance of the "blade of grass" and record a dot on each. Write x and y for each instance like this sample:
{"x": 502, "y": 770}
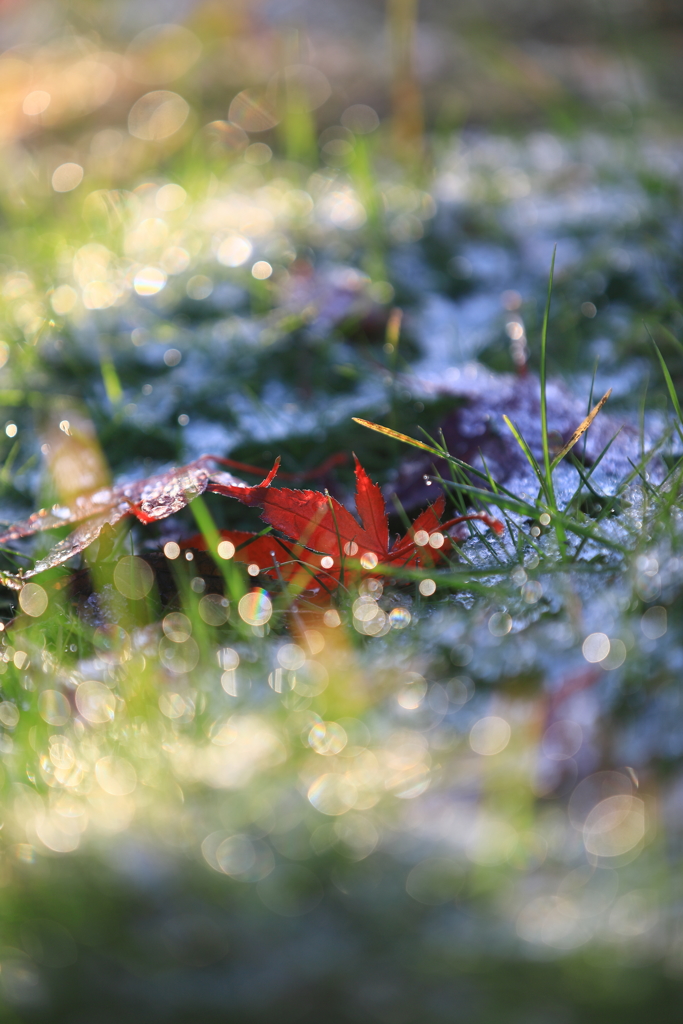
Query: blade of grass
{"x": 646, "y": 483}
{"x": 403, "y": 515}
{"x": 549, "y": 487}
{"x": 388, "y": 432}
{"x": 529, "y": 456}
{"x": 434, "y": 449}
{"x": 111, "y": 381}
{"x": 585, "y": 481}
{"x": 391, "y": 342}
{"x": 667, "y": 377}
{"x": 492, "y": 483}
{"x": 518, "y": 505}
{"x": 590, "y": 402}
{"x": 580, "y": 430}
{"x": 544, "y": 403}
{"x": 212, "y": 537}
{"x": 9, "y": 462}
{"x": 529, "y": 511}
{"x": 602, "y": 454}
{"x": 641, "y": 412}
{"x": 474, "y": 531}
{"x": 611, "y": 501}
{"x": 670, "y": 337}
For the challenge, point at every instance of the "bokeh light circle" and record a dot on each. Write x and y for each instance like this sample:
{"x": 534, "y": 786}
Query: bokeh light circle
{"x": 234, "y": 251}
{"x": 615, "y": 826}
{"x": 327, "y": 738}
{"x": 255, "y": 608}
{"x": 150, "y": 281}
{"x": 214, "y": 609}
{"x": 95, "y": 702}
{"x": 332, "y": 794}
{"x": 33, "y": 599}
{"x": 261, "y": 270}
{"x": 177, "y": 627}
{"x": 490, "y": 735}
{"x": 67, "y": 177}
{"x": 157, "y": 115}
{"x": 170, "y": 197}
{"x": 226, "y": 549}
{"x": 179, "y": 657}
{"x": 291, "y": 657}
{"x": 116, "y": 775}
{"x": 133, "y": 577}
{"x": 399, "y": 618}
{"x": 253, "y": 111}
{"x": 53, "y": 707}
{"x": 360, "y": 119}
{"x": 595, "y": 647}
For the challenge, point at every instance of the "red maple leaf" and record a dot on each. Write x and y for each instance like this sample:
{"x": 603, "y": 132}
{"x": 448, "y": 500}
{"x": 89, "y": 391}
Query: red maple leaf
{"x": 149, "y": 499}
{"x": 324, "y": 541}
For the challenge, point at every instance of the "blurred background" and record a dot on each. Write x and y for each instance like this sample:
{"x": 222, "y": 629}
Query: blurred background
{"x": 208, "y": 211}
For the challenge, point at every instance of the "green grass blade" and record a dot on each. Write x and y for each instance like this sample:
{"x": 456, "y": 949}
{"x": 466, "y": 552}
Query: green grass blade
{"x": 544, "y": 404}
{"x": 590, "y": 402}
{"x": 671, "y": 337}
{"x": 531, "y": 512}
{"x": 667, "y": 377}
{"x": 212, "y": 537}
{"x": 529, "y": 456}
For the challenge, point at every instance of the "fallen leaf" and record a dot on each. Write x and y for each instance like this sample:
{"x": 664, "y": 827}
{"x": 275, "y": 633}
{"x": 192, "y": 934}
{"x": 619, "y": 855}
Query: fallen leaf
{"x": 152, "y": 498}
{"x": 327, "y": 543}
{"x": 323, "y": 542}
